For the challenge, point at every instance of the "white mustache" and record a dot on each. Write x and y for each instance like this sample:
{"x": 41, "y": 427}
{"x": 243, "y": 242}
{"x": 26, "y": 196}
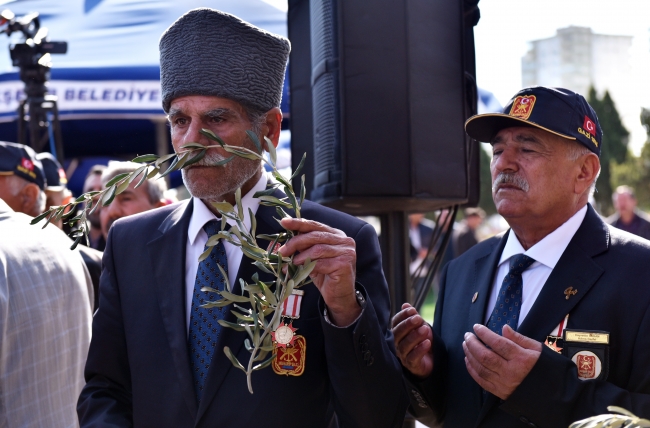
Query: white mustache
{"x": 514, "y": 179}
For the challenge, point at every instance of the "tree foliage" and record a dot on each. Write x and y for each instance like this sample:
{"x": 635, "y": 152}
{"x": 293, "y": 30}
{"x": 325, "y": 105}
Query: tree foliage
{"x": 635, "y": 171}
{"x": 613, "y": 147}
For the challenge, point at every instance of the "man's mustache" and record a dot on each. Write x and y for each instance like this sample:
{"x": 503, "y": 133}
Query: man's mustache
{"x": 511, "y": 179}
{"x": 210, "y": 159}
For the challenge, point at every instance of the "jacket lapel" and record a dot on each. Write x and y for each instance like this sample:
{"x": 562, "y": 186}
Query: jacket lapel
{"x": 169, "y": 273}
{"x": 221, "y": 365}
{"x": 576, "y": 268}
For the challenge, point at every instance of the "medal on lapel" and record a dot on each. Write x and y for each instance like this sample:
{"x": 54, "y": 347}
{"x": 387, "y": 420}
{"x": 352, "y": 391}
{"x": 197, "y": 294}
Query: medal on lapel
{"x": 289, "y": 348}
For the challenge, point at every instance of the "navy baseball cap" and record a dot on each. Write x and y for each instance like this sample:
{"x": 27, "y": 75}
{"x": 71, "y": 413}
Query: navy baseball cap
{"x": 559, "y": 111}
{"x": 54, "y": 173}
{"x": 20, "y": 160}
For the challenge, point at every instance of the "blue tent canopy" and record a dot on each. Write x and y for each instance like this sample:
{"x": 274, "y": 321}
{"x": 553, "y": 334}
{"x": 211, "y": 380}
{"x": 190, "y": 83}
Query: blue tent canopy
{"x": 109, "y": 79}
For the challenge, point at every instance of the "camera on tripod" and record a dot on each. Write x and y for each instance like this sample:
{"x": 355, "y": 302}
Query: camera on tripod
{"x": 32, "y": 56}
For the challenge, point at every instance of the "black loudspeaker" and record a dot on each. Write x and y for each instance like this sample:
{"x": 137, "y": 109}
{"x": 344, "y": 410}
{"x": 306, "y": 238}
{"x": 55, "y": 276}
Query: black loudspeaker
{"x": 391, "y": 88}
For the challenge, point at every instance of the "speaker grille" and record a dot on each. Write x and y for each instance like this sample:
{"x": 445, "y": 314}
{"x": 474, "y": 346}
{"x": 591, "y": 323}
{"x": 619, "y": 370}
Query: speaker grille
{"x": 325, "y": 91}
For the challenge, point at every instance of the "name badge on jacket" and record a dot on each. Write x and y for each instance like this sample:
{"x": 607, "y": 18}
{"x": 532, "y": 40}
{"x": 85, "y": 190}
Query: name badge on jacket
{"x": 589, "y": 350}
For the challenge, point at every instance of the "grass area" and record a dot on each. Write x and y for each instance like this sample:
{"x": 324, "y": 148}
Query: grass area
{"x": 429, "y": 306}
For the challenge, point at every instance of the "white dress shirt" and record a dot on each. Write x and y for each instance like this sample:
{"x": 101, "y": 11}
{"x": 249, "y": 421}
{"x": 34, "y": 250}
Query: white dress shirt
{"x": 46, "y": 296}
{"x": 546, "y": 253}
{"x": 196, "y": 239}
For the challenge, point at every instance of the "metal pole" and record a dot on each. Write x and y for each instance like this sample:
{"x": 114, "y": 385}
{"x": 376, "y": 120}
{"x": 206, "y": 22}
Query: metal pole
{"x": 394, "y": 243}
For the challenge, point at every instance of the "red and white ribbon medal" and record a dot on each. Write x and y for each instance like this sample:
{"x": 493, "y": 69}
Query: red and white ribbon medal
{"x": 290, "y": 348}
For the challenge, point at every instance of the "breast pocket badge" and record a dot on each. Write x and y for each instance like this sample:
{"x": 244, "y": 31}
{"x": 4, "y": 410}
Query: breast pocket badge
{"x": 589, "y": 350}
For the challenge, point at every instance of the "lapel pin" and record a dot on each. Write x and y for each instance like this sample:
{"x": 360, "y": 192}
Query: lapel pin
{"x": 474, "y": 297}
{"x": 570, "y": 292}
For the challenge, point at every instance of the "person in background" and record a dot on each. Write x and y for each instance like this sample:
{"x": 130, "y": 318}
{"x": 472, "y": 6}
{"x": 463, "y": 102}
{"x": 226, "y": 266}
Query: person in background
{"x": 93, "y": 182}
{"x": 420, "y": 234}
{"x": 58, "y": 194}
{"x": 628, "y": 217}
{"x": 464, "y": 237}
{"x": 150, "y": 195}
{"x": 45, "y": 304}
{"x": 22, "y": 180}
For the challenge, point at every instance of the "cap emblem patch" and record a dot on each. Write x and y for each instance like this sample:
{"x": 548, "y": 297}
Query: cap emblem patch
{"x": 522, "y": 106}
{"x": 27, "y": 164}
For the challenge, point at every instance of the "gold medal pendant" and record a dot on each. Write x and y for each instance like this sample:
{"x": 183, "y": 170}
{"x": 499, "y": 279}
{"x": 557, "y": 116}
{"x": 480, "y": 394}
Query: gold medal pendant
{"x": 290, "y": 360}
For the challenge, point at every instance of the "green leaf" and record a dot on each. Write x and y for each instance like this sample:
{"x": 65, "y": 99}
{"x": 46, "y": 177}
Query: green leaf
{"x": 200, "y": 155}
{"x": 255, "y": 141}
{"x": 242, "y": 317}
{"x": 235, "y": 298}
{"x": 211, "y": 135}
{"x": 163, "y": 159}
{"x": 232, "y": 358}
{"x": 261, "y": 266}
{"x": 81, "y": 198}
{"x": 240, "y": 208}
{"x": 153, "y": 173}
{"x": 281, "y": 237}
{"x": 289, "y": 289}
{"x": 234, "y": 326}
{"x": 204, "y": 255}
{"x": 76, "y": 241}
{"x": 266, "y": 192}
{"x": 136, "y": 173}
{"x": 40, "y": 216}
{"x": 304, "y": 271}
{"x": 225, "y": 277}
{"x": 292, "y": 198}
{"x": 299, "y": 167}
{"x": 109, "y": 195}
{"x": 192, "y": 146}
{"x": 216, "y": 303}
{"x": 247, "y": 344}
{"x": 282, "y": 179}
{"x": 115, "y": 179}
{"x": 253, "y": 221}
{"x": 143, "y": 179}
{"x": 122, "y": 187}
{"x": 145, "y": 158}
{"x": 273, "y": 201}
{"x": 303, "y": 190}
{"x": 223, "y": 161}
{"x": 271, "y": 149}
{"x": 242, "y": 153}
{"x": 223, "y": 207}
{"x": 270, "y": 297}
{"x": 264, "y": 364}
{"x": 179, "y": 160}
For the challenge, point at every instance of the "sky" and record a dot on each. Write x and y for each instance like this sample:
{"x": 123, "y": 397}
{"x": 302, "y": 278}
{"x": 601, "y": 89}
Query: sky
{"x": 506, "y": 27}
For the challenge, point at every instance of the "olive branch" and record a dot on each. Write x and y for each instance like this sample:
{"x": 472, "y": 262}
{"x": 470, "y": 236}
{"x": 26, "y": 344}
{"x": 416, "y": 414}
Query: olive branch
{"x": 624, "y": 419}
{"x": 258, "y": 307}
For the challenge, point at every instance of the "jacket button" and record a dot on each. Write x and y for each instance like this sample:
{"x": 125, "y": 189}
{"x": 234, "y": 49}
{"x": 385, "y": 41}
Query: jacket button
{"x": 362, "y": 339}
{"x": 364, "y": 347}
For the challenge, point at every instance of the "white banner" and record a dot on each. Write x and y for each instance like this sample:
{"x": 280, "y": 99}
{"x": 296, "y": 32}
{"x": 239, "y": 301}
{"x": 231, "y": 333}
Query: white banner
{"x": 82, "y": 96}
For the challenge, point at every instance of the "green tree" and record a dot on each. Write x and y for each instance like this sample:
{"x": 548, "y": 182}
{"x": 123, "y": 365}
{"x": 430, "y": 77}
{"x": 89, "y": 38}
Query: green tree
{"x": 613, "y": 147}
{"x": 635, "y": 171}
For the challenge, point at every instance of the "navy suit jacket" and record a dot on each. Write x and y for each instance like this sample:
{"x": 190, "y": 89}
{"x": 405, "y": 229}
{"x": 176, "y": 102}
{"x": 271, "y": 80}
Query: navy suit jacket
{"x": 138, "y": 368}
{"x": 610, "y": 270}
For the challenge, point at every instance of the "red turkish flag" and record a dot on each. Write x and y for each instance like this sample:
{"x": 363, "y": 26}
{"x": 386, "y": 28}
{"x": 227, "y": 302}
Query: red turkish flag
{"x": 589, "y": 126}
{"x": 27, "y": 164}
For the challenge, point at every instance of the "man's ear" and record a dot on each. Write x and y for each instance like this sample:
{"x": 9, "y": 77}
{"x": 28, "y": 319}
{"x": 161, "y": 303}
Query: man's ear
{"x": 589, "y": 169}
{"x": 29, "y": 197}
{"x": 273, "y": 126}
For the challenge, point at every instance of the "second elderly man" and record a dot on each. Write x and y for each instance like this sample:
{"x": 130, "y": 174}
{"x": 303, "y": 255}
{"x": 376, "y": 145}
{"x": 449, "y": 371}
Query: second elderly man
{"x": 549, "y": 323}
{"x": 146, "y": 367}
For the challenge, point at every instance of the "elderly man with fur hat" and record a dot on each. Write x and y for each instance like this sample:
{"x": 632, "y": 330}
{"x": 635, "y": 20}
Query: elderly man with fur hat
{"x": 156, "y": 357}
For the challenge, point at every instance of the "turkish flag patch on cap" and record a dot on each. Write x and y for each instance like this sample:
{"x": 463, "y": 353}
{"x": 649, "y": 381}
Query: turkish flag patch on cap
{"x": 27, "y": 164}
{"x": 589, "y": 126}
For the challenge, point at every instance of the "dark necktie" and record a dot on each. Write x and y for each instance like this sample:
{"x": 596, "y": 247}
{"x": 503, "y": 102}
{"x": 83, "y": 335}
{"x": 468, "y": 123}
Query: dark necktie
{"x": 508, "y": 305}
{"x": 204, "y": 326}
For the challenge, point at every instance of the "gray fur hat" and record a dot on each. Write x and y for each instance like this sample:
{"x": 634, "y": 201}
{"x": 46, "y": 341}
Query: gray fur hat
{"x": 208, "y": 52}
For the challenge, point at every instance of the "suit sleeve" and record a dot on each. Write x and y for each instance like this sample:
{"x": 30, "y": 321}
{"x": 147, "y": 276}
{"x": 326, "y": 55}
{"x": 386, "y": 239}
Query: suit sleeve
{"x": 364, "y": 372}
{"x": 427, "y": 396}
{"x": 106, "y": 399}
{"x": 552, "y": 395}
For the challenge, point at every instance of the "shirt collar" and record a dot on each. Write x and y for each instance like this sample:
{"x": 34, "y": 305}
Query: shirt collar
{"x": 202, "y": 214}
{"x": 549, "y": 250}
